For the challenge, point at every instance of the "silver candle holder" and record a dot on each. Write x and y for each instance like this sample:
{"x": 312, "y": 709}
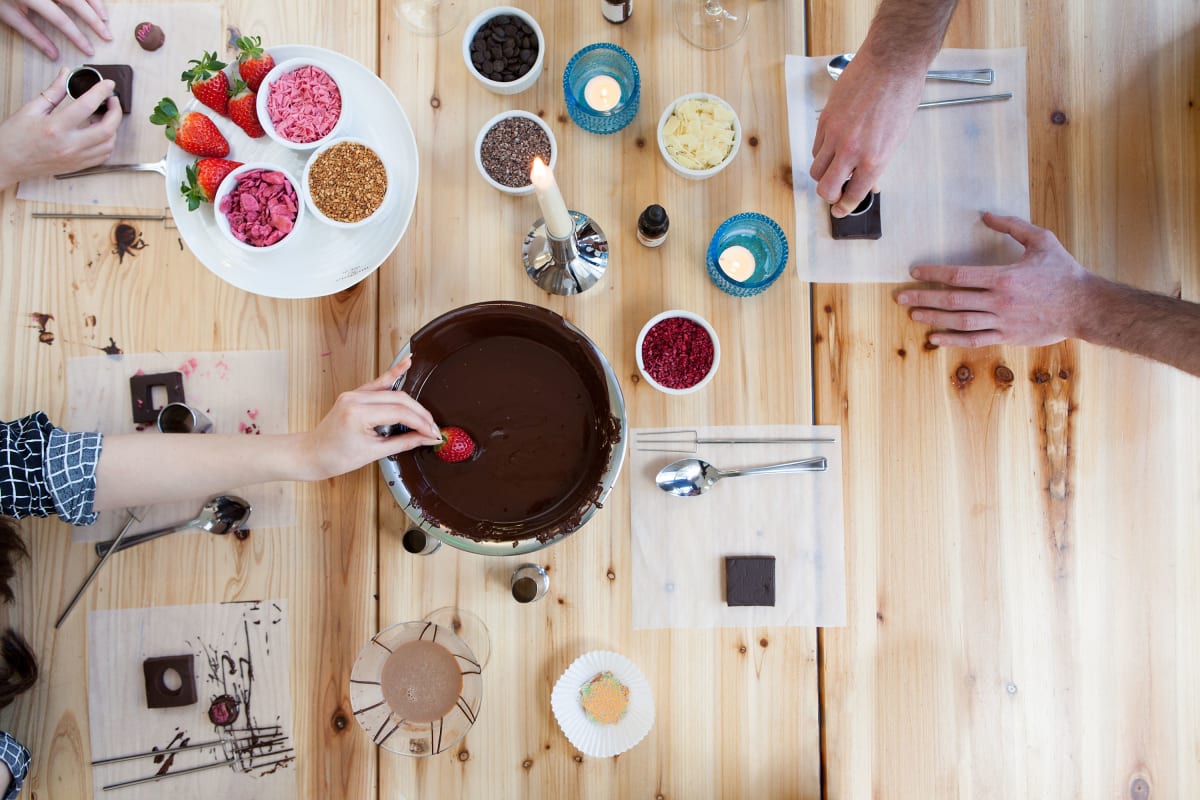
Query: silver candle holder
{"x": 571, "y": 265}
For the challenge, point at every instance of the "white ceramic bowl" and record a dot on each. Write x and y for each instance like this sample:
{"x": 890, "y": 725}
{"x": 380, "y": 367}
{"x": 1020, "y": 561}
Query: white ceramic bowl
{"x": 487, "y": 126}
{"x": 312, "y": 206}
{"x": 699, "y": 320}
{"x": 264, "y": 91}
{"x": 698, "y": 174}
{"x": 525, "y": 81}
{"x": 228, "y": 185}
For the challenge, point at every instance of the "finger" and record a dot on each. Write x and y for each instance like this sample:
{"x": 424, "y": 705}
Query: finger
{"x": 853, "y": 193}
{"x": 385, "y": 381}
{"x": 103, "y": 131}
{"x": 84, "y": 10}
{"x": 832, "y": 182}
{"x": 22, "y": 25}
{"x": 98, "y": 7}
{"x": 820, "y": 170}
{"x": 956, "y": 320}
{"x": 1024, "y": 232}
{"x": 399, "y": 444}
{"x": 59, "y": 19}
{"x": 969, "y": 277}
{"x": 973, "y": 339}
{"x": 403, "y": 415}
{"x": 393, "y": 402}
{"x": 964, "y": 300}
{"x": 78, "y": 111}
{"x": 49, "y": 98}
{"x": 819, "y": 139}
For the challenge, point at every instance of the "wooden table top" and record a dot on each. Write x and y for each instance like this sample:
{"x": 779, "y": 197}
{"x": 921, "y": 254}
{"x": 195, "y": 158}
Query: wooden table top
{"x": 1022, "y": 603}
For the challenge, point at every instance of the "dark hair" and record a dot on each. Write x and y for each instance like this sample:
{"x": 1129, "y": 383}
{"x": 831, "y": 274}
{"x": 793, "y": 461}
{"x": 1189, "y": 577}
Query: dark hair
{"x": 18, "y": 666}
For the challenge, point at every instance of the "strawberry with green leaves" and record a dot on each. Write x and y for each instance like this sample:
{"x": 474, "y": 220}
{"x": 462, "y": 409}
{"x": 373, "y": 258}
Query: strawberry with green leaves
{"x": 194, "y": 132}
{"x": 208, "y": 82}
{"x": 253, "y": 62}
{"x": 457, "y": 445}
{"x": 243, "y": 109}
{"x": 203, "y": 179}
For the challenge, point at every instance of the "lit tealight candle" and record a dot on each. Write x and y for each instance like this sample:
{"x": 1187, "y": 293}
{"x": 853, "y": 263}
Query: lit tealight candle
{"x": 737, "y": 262}
{"x": 602, "y": 93}
{"x": 554, "y": 211}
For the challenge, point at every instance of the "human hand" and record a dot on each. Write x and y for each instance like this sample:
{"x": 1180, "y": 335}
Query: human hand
{"x": 861, "y": 126}
{"x": 16, "y": 13}
{"x": 346, "y": 439}
{"x": 53, "y": 133}
{"x": 1036, "y": 301}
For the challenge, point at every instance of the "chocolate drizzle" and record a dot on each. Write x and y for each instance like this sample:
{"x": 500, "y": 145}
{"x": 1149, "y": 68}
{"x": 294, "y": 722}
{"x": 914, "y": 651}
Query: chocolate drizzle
{"x": 532, "y": 392}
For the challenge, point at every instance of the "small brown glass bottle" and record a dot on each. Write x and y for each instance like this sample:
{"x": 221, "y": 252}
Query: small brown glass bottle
{"x": 617, "y": 11}
{"x": 652, "y": 226}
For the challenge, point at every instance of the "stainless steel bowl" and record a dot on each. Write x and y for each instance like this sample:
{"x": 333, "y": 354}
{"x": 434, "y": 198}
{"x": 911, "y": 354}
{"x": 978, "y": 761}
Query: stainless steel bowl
{"x": 515, "y": 546}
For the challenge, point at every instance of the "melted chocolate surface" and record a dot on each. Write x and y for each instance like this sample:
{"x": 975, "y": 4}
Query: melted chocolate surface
{"x": 532, "y": 394}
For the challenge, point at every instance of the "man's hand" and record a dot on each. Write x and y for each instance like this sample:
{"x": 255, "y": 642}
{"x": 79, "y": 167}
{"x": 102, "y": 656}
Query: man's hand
{"x": 16, "y": 13}
{"x": 53, "y": 133}
{"x": 1036, "y": 301}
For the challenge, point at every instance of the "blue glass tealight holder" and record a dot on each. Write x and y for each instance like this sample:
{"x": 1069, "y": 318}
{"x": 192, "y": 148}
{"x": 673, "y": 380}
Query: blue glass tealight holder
{"x": 766, "y": 242}
{"x": 593, "y": 61}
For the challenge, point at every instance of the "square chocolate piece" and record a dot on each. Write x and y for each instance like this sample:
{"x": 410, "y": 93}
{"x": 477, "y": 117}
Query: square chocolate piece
{"x": 863, "y": 223}
{"x": 122, "y": 76}
{"x": 142, "y": 396}
{"x": 750, "y": 580}
{"x": 167, "y": 690}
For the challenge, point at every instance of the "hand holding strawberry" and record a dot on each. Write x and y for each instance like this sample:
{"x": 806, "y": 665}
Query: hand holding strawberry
{"x": 457, "y": 445}
{"x": 253, "y": 62}
{"x": 208, "y": 82}
{"x": 203, "y": 179}
{"x": 195, "y": 132}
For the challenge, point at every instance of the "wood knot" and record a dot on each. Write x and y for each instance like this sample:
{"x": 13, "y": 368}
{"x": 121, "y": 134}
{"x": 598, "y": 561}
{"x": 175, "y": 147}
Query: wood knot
{"x": 1139, "y": 789}
{"x": 1063, "y": 374}
{"x": 527, "y": 763}
{"x": 963, "y": 375}
{"x": 435, "y": 101}
{"x": 742, "y": 649}
{"x": 242, "y": 534}
{"x": 1003, "y": 374}
{"x": 578, "y": 758}
{"x": 561, "y": 602}
{"x": 339, "y": 720}
{"x": 828, "y": 309}
{"x": 541, "y": 112}
{"x": 464, "y": 755}
{"x": 786, "y": 175}
{"x": 763, "y": 642}
{"x": 640, "y": 142}
{"x": 562, "y": 118}
{"x": 635, "y": 378}
{"x": 1041, "y": 376}
{"x": 818, "y": 338}
{"x": 612, "y": 576}
{"x": 879, "y": 616}
{"x": 752, "y": 141}
{"x": 901, "y": 352}
{"x": 1058, "y": 118}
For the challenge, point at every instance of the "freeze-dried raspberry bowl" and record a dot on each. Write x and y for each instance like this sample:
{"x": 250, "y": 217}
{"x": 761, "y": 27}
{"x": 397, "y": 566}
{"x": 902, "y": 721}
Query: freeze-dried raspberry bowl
{"x": 258, "y": 207}
{"x": 301, "y": 103}
{"x": 678, "y": 352}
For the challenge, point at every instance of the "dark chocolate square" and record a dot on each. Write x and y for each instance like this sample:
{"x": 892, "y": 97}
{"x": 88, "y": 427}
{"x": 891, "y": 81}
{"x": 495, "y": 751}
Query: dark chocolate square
{"x": 864, "y": 225}
{"x": 142, "y": 399}
{"x": 122, "y": 76}
{"x": 750, "y": 580}
{"x": 157, "y": 693}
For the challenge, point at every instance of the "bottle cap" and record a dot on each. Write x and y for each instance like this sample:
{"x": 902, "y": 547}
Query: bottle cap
{"x": 653, "y": 221}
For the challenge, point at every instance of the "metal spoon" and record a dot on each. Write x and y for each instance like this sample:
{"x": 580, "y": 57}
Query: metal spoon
{"x": 690, "y": 477}
{"x": 838, "y": 64}
{"x": 220, "y": 515}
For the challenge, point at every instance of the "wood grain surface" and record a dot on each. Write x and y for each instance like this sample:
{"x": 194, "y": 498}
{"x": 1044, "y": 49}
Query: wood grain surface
{"x": 1019, "y": 522}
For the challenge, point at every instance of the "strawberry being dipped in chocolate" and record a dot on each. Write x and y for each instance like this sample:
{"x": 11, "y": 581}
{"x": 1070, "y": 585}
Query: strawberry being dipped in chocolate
{"x": 208, "y": 82}
{"x": 253, "y": 62}
{"x": 457, "y": 445}
{"x": 243, "y": 109}
{"x": 194, "y": 132}
{"x": 203, "y": 178}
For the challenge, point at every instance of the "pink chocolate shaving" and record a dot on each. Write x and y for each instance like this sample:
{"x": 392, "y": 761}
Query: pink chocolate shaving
{"x": 261, "y": 208}
{"x": 304, "y": 104}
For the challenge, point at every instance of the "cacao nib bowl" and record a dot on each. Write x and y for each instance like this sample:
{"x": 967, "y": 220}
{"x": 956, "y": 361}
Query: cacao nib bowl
{"x": 351, "y": 181}
{"x": 480, "y": 161}
{"x": 262, "y": 102}
{"x": 521, "y": 82}
{"x": 231, "y": 184}
{"x": 545, "y": 410}
{"x": 677, "y": 360}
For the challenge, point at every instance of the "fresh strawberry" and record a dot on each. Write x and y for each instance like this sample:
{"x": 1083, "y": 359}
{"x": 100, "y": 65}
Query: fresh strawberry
{"x": 457, "y": 445}
{"x": 195, "y": 133}
{"x": 243, "y": 109}
{"x": 203, "y": 178}
{"x": 253, "y": 62}
{"x": 209, "y": 83}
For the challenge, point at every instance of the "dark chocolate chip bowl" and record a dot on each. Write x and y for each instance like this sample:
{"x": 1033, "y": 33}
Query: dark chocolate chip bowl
{"x": 546, "y": 412}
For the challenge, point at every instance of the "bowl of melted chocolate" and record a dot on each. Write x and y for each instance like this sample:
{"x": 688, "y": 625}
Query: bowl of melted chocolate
{"x": 547, "y": 416}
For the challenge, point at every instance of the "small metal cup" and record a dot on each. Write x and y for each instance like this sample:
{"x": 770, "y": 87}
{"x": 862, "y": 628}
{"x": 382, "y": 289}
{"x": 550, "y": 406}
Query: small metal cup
{"x": 529, "y": 583}
{"x": 419, "y": 543}
{"x": 81, "y": 80}
{"x": 182, "y": 418}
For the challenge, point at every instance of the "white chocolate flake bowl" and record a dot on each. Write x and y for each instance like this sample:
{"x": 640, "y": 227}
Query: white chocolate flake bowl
{"x": 697, "y": 174}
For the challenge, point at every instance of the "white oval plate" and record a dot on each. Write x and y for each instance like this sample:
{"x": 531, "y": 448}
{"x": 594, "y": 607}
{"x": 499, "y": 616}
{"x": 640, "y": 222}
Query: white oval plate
{"x": 325, "y": 260}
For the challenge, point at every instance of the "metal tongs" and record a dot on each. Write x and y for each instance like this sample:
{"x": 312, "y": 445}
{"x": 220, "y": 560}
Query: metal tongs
{"x": 688, "y": 441}
{"x": 159, "y": 166}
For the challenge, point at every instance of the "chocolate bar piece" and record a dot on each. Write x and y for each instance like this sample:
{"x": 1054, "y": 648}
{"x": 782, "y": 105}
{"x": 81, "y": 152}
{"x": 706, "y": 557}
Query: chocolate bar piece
{"x": 863, "y": 222}
{"x": 142, "y": 398}
{"x": 159, "y": 693}
{"x": 750, "y": 580}
{"x": 122, "y": 76}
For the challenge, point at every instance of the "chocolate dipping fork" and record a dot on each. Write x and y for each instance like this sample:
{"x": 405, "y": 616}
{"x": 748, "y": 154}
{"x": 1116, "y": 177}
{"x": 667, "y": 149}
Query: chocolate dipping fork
{"x": 135, "y": 515}
{"x": 688, "y": 441}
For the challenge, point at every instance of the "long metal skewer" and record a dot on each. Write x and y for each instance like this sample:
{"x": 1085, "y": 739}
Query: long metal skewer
{"x": 134, "y": 516}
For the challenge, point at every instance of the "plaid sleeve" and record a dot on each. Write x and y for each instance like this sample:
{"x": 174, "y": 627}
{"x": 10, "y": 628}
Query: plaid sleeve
{"x": 45, "y": 470}
{"x": 16, "y": 758}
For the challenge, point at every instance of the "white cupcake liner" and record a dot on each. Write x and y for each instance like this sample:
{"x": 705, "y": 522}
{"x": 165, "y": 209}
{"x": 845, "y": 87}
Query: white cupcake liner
{"x": 597, "y": 739}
